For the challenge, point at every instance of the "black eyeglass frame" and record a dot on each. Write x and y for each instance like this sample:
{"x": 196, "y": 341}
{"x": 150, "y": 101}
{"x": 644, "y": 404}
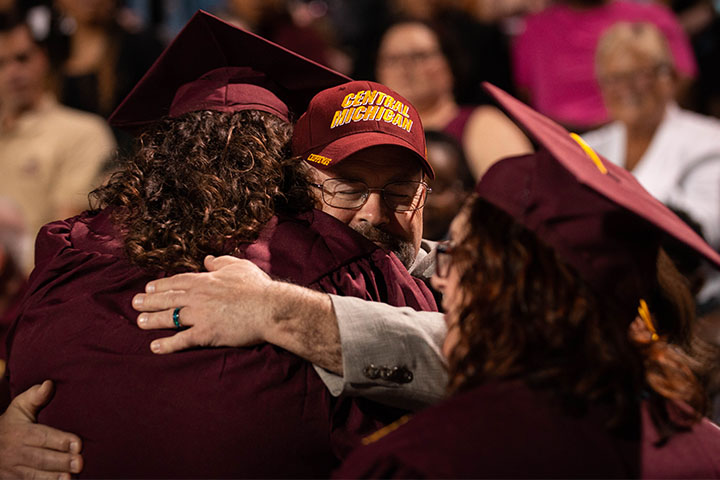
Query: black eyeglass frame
{"x": 369, "y": 190}
{"x": 443, "y": 258}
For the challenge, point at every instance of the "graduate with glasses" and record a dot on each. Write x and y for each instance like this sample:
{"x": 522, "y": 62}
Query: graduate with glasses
{"x": 564, "y": 317}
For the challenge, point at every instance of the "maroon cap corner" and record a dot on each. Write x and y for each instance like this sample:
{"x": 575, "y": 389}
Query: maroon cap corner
{"x": 594, "y": 213}
{"x": 208, "y": 65}
{"x": 348, "y": 118}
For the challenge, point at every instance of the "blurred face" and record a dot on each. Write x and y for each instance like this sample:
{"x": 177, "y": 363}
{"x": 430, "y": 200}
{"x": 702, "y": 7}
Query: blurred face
{"x": 89, "y": 11}
{"x": 447, "y": 281}
{"x": 448, "y": 192}
{"x": 23, "y": 71}
{"x": 411, "y": 63}
{"x": 636, "y": 89}
{"x": 399, "y": 232}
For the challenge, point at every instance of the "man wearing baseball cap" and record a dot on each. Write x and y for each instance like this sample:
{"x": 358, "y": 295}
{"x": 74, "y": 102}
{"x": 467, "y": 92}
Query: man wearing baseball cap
{"x": 196, "y": 91}
{"x": 362, "y": 137}
{"x": 366, "y": 147}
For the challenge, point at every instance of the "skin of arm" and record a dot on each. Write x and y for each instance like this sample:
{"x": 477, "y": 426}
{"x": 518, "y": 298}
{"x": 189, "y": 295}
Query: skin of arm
{"x": 490, "y": 136}
{"x": 237, "y": 304}
{"x": 30, "y": 450}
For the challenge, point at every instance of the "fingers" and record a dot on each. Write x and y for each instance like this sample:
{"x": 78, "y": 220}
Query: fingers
{"x": 180, "y": 341}
{"x": 48, "y": 461}
{"x": 154, "y": 302}
{"x": 26, "y": 405}
{"x": 31, "y": 473}
{"x": 181, "y": 281}
{"x": 216, "y": 263}
{"x": 44, "y": 437}
{"x": 164, "y": 319}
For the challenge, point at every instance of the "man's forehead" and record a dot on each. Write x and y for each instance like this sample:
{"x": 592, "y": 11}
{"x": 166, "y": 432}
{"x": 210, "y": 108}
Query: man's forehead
{"x": 17, "y": 38}
{"x": 387, "y": 161}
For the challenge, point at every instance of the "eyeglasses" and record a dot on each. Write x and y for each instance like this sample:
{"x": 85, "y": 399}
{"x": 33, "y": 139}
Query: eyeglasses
{"x": 642, "y": 76}
{"x": 353, "y": 194}
{"x": 409, "y": 58}
{"x": 443, "y": 258}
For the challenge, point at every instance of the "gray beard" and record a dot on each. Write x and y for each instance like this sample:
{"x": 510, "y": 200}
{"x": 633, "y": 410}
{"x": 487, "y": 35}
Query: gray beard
{"x": 403, "y": 250}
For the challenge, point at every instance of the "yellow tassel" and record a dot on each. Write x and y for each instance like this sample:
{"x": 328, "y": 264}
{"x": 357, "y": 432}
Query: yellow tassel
{"x": 374, "y": 437}
{"x": 590, "y": 153}
{"x": 644, "y": 313}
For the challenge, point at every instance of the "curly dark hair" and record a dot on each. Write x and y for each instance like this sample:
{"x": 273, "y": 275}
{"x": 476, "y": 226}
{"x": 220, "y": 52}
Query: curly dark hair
{"x": 201, "y": 183}
{"x": 527, "y": 315}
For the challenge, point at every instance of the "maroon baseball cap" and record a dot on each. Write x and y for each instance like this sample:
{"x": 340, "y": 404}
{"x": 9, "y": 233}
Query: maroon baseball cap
{"x": 593, "y": 213}
{"x": 345, "y": 119}
{"x": 212, "y": 65}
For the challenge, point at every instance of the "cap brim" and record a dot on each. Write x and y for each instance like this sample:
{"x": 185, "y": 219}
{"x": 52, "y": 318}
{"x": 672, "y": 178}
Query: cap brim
{"x": 343, "y": 147}
{"x": 618, "y": 185}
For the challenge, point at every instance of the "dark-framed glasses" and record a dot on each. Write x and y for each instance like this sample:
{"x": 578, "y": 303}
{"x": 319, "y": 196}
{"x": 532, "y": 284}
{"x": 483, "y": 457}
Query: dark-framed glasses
{"x": 443, "y": 258}
{"x": 352, "y": 194}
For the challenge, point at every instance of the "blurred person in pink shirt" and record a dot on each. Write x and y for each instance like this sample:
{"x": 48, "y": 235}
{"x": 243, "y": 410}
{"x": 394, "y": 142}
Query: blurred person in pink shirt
{"x": 414, "y": 61}
{"x": 553, "y": 57}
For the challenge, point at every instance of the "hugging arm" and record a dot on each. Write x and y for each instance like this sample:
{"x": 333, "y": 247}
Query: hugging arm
{"x": 355, "y": 343}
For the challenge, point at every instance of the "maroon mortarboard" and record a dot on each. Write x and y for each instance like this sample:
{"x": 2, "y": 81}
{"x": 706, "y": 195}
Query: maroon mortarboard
{"x": 593, "y": 213}
{"x": 345, "y": 119}
{"x": 208, "y": 65}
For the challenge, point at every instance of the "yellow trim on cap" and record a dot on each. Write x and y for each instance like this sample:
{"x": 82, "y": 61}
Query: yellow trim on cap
{"x": 590, "y": 153}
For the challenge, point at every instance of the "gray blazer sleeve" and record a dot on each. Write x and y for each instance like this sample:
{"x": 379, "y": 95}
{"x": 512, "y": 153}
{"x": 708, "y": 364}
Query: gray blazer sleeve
{"x": 390, "y": 354}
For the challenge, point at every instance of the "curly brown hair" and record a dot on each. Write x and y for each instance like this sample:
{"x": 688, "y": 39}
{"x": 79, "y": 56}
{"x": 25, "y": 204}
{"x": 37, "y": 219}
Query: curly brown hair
{"x": 527, "y": 315}
{"x": 201, "y": 183}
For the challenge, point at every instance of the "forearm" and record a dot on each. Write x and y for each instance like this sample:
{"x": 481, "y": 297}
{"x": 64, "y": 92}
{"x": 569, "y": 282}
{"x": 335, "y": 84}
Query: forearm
{"x": 304, "y": 323}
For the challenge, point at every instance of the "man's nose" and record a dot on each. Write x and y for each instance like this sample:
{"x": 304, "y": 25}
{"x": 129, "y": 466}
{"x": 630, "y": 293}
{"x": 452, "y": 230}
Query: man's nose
{"x": 375, "y": 211}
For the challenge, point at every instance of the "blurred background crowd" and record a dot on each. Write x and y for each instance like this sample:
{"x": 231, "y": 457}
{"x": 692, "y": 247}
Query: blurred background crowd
{"x": 640, "y": 80}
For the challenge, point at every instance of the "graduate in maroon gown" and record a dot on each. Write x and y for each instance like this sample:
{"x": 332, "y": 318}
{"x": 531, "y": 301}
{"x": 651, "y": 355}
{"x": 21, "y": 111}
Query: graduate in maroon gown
{"x": 562, "y": 313}
{"x": 211, "y": 176}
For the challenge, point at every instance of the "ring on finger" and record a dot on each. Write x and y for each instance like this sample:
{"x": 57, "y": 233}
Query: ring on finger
{"x": 176, "y": 317}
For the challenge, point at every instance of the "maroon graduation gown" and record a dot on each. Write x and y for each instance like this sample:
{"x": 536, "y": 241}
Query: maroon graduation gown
{"x": 225, "y": 412}
{"x": 506, "y": 430}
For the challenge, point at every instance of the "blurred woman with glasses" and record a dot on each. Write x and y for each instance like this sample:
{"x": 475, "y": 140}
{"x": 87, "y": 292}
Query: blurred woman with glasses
{"x": 562, "y": 312}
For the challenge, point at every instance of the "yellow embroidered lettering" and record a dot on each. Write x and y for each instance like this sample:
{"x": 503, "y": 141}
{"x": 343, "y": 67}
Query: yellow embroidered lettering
{"x": 370, "y": 98}
{"x": 358, "y": 115}
{"x": 319, "y": 159}
{"x": 336, "y": 119}
{"x": 389, "y": 101}
{"x": 398, "y": 120}
{"x": 380, "y": 114}
{"x": 380, "y": 97}
{"x": 370, "y": 113}
{"x": 405, "y": 111}
{"x": 407, "y": 125}
{"x": 347, "y": 115}
{"x": 388, "y": 116}
{"x": 347, "y": 101}
{"x": 359, "y": 98}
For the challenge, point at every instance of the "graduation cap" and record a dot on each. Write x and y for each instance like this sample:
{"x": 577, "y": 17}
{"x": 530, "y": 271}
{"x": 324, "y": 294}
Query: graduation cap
{"x": 212, "y": 65}
{"x": 593, "y": 213}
